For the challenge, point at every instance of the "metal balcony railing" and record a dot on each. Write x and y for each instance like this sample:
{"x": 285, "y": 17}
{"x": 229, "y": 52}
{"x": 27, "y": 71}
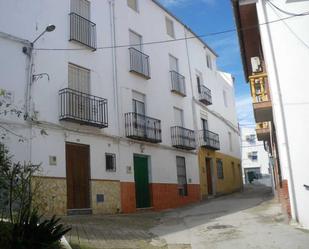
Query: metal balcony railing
{"x": 83, "y": 108}
{"x": 259, "y": 88}
{"x": 205, "y": 95}
{"x": 209, "y": 140}
{"x": 139, "y": 63}
{"x": 83, "y": 31}
{"x": 183, "y": 138}
{"x": 178, "y": 83}
{"x": 141, "y": 127}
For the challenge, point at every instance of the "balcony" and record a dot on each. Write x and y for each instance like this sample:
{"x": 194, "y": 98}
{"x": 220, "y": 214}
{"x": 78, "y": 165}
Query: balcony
{"x": 139, "y": 63}
{"x": 209, "y": 140}
{"x": 183, "y": 138}
{"x": 83, "y": 108}
{"x": 143, "y": 128}
{"x": 83, "y": 31}
{"x": 178, "y": 83}
{"x": 262, "y": 105}
{"x": 263, "y": 131}
{"x": 205, "y": 95}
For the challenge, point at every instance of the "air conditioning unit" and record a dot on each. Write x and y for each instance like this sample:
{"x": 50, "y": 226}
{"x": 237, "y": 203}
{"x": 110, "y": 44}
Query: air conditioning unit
{"x": 256, "y": 64}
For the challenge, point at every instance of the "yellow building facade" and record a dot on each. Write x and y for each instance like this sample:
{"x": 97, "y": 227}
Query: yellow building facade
{"x": 213, "y": 181}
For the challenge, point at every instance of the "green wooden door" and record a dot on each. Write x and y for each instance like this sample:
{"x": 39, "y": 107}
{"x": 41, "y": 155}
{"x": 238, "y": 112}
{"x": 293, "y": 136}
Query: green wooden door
{"x": 141, "y": 182}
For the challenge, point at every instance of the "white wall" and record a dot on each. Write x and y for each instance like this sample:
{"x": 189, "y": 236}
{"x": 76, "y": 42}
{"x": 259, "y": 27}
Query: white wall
{"x": 258, "y": 146}
{"x": 148, "y": 22}
{"x": 285, "y": 46}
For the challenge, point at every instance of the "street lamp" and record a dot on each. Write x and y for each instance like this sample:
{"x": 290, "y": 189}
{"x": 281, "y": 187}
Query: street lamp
{"x": 49, "y": 28}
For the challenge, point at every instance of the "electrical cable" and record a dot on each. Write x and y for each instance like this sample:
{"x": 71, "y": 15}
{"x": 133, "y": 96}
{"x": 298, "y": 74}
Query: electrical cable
{"x": 286, "y": 12}
{"x": 178, "y": 39}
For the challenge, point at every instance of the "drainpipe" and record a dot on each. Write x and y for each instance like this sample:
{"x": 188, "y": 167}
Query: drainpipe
{"x": 293, "y": 203}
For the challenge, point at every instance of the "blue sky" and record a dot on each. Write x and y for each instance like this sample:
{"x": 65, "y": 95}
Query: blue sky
{"x": 205, "y": 16}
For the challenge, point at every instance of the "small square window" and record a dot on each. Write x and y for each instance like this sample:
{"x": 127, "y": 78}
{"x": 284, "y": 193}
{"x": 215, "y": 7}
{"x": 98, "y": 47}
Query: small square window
{"x": 110, "y": 162}
{"x": 133, "y": 4}
{"x": 169, "y": 27}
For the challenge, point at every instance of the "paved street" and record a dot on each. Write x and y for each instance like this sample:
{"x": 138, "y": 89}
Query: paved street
{"x": 243, "y": 220}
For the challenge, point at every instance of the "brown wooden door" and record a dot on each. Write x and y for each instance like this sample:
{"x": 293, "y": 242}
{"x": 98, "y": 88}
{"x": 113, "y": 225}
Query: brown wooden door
{"x": 209, "y": 177}
{"x": 78, "y": 174}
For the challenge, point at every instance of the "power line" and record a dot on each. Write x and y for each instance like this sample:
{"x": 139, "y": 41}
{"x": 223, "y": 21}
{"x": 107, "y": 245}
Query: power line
{"x": 178, "y": 39}
{"x": 286, "y": 12}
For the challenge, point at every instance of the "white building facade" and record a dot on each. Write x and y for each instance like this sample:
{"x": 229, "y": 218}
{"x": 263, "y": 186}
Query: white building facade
{"x": 110, "y": 110}
{"x": 254, "y": 158}
{"x": 282, "y": 37}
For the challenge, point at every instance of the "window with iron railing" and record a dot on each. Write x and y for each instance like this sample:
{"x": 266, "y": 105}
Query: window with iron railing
{"x": 178, "y": 83}
{"x": 83, "y": 108}
{"x": 183, "y": 138}
{"x": 141, "y": 127}
{"x": 139, "y": 63}
{"x": 82, "y": 30}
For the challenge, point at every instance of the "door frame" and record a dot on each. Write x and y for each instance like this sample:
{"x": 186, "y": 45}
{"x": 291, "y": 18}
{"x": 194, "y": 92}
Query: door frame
{"x": 213, "y": 178}
{"x": 89, "y": 179}
{"x": 149, "y": 176}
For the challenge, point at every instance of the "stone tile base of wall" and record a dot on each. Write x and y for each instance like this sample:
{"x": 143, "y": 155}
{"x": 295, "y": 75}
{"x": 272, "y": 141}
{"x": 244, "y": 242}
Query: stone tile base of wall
{"x": 163, "y": 196}
{"x": 50, "y": 195}
{"x": 111, "y": 196}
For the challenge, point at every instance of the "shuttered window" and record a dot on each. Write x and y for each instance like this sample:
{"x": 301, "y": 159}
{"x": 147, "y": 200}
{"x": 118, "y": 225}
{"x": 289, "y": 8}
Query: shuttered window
{"x": 181, "y": 176}
{"x": 133, "y": 4}
{"x": 79, "y": 78}
{"x": 220, "y": 173}
{"x": 169, "y": 27}
{"x": 81, "y": 7}
{"x": 135, "y": 40}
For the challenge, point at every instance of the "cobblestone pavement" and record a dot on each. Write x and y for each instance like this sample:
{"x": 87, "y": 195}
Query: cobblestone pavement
{"x": 251, "y": 219}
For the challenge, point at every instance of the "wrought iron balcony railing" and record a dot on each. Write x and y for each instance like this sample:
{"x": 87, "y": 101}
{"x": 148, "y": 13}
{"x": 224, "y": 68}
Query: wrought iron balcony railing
{"x": 139, "y": 63}
{"x": 178, "y": 83}
{"x": 209, "y": 140}
{"x": 183, "y": 138}
{"x": 83, "y": 31}
{"x": 205, "y": 95}
{"x": 141, "y": 127}
{"x": 83, "y": 108}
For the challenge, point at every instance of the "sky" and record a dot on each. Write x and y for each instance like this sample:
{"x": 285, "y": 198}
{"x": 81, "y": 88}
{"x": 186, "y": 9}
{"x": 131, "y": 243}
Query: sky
{"x": 206, "y": 16}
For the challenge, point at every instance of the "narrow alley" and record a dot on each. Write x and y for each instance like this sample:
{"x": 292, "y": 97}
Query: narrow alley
{"x": 251, "y": 219}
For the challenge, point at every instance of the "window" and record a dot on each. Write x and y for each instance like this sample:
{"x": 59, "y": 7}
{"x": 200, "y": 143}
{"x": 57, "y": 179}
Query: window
{"x": 224, "y": 98}
{"x": 253, "y": 155}
{"x": 135, "y": 40}
{"x": 220, "y": 174}
{"x": 81, "y": 7}
{"x": 198, "y": 80}
{"x": 250, "y": 138}
{"x": 133, "y": 4}
{"x": 181, "y": 176}
{"x": 79, "y": 78}
{"x": 178, "y": 116}
{"x": 169, "y": 27}
{"x": 138, "y": 103}
{"x": 173, "y": 63}
{"x": 110, "y": 162}
{"x": 230, "y": 141}
{"x": 208, "y": 61}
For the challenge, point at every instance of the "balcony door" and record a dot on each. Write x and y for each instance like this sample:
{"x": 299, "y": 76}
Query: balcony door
{"x": 205, "y": 129}
{"x": 82, "y": 8}
{"x": 79, "y": 80}
{"x": 138, "y": 107}
{"x": 135, "y": 40}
